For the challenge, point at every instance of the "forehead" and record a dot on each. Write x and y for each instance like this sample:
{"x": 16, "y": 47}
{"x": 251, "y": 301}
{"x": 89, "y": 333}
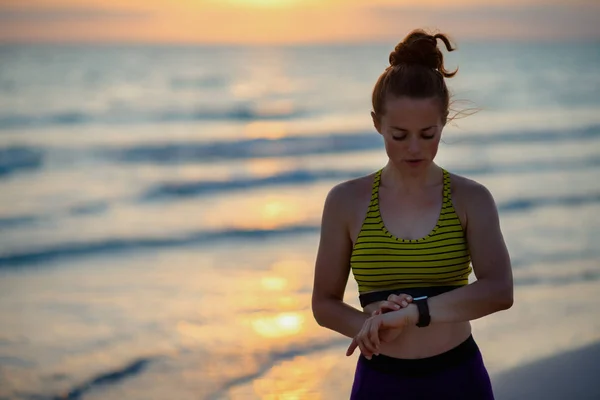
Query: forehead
{"x": 406, "y": 112}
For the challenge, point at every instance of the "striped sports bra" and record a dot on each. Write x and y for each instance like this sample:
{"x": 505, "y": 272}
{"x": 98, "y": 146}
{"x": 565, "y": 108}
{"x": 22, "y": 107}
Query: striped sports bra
{"x": 383, "y": 264}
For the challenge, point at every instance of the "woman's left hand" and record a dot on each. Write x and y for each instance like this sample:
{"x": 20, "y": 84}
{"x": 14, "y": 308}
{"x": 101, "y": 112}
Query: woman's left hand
{"x": 381, "y": 328}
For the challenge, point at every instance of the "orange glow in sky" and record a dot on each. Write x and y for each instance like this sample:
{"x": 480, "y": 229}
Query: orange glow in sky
{"x": 290, "y": 21}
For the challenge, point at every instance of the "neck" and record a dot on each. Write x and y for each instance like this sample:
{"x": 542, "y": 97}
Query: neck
{"x": 411, "y": 181}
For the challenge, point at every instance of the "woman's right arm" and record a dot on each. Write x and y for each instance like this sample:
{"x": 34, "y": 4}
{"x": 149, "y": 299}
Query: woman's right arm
{"x": 332, "y": 266}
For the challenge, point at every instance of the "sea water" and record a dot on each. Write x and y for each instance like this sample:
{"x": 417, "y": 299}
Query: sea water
{"x": 160, "y": 210}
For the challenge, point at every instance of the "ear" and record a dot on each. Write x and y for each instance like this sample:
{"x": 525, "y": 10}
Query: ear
{"x": 376, "y": 122}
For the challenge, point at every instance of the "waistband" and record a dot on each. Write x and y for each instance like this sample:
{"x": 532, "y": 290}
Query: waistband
{"x": 420, "y": 366}
{"x": 368, "y": 298}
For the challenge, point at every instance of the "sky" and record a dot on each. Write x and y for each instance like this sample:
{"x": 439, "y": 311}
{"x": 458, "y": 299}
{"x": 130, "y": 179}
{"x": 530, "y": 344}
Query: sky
{"x": 292, "y": 21}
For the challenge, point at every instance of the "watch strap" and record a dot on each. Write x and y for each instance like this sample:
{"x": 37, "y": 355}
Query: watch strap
{"x": 423, "y": 307}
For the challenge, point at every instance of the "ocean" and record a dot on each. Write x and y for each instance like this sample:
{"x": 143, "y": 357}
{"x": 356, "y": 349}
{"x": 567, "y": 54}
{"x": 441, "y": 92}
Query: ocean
{"x": 160, "y": 210}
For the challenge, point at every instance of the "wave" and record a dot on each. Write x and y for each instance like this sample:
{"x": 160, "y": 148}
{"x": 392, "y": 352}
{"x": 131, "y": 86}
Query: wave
{"x": 526, "y": 204}
{"x": 565, "y": 279}
{"x": 246, "y": 149}
{"x": 296, "y": 177}
{"x": 553, "y": 271}
{"x": 175, "y": 190}
{"x": 532, "y": 136}
{"x": 92, "y": 207}
{"x": 110, "y": 378}
{"x": 200, "y": 82}
{"x": 274, "y": 358}
{"x": 78, "y": 249}
{"x": 333, "y": 143}
{"x": 88, "y": 208}
{"x": 68, "y": 250}
{"x": 18, "y": 158}
{"x": 68, "y": 118}
{"x": 137, "y": 367}
{"x": 11, "y": 222}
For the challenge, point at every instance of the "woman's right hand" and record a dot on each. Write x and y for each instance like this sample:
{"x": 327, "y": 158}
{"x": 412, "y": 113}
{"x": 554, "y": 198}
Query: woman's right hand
{"x": 381, "y": 329}
{"x": 394, "y": 302}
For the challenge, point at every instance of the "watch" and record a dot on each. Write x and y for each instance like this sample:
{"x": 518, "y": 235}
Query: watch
{"x": 423, "y": 307}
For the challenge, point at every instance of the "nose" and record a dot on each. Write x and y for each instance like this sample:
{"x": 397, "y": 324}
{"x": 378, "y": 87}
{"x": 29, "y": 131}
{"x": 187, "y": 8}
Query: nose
{"x": 414, "y": 145}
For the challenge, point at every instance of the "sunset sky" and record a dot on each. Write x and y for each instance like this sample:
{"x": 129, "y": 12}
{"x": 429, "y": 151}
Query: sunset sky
{"x": 291, "y": 21}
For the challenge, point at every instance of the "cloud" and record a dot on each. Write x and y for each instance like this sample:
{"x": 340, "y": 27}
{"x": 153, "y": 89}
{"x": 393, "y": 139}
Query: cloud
{"x": 517, "y": 22}
{"x": 17, "y": 15}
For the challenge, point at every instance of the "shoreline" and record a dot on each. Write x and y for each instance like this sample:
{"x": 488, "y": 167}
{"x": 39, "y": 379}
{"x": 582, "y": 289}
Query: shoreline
{"x": 569, "y": 375}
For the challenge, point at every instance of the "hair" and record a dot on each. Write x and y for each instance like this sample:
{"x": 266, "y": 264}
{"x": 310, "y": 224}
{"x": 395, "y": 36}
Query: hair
{"x": 416, "y": 70}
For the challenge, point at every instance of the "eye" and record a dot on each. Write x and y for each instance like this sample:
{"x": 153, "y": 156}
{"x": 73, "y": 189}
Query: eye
{"x": 398, "y": 138}
{"x": 428, "y": 133}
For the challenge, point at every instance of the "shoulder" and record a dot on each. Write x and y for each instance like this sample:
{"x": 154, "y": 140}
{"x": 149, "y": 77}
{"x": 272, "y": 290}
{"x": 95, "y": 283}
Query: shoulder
{"x": 470, "y": 197}
{"x": 465, "y": 187}
{"x": 351, "y": 188}
{"x": 348, "y": 196}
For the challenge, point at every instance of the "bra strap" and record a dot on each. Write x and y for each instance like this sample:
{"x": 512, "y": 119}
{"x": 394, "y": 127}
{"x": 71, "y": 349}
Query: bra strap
{"x": 375, "y": 189}
{"x": 447, "y": 187}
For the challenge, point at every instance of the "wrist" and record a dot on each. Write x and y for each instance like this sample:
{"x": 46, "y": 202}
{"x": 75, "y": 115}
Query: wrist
{"x": 412, "y": 312}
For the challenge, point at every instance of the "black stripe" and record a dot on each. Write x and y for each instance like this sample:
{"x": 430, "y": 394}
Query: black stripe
{"x": 371, "y": 223}
{"x": 448, "y": 226}
{"x": 450, "y": 218}
{"x": 413, "y": 261}
{"x": 420, "y": 266}
{"x": 416, "y": 273}
{"x": 456, "y": 277}
{"x": 433, "y": 232}
{"x": 412, "y": 255}
{"x": 429, "y": 241}
{"x": 424, "y": 248}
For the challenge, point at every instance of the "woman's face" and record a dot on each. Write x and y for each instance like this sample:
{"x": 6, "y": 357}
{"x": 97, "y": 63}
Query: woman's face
{"x": 411, "y": 129}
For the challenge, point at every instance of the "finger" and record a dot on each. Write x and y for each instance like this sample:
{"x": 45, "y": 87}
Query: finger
{"x": 362, "y": 338}
{"x": 374, "y": 336}
{"x": 388, "y": 306}
{"x": 363, "y": 349}
{"x": 365, "y": 337}
{"x": 400, "y": 299}
{"x": 358, "y": 342}
{"x": 352, "y": 347}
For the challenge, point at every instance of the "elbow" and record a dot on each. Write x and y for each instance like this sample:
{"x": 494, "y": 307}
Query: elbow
{"x": 505, "y": 298}
{"x": 506, "y": 303}
{"x": 317, "y": 311}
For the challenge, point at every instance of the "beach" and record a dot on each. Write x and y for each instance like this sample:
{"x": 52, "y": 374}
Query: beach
{"x": 160, "y": 210}
{"x": 572, "y": 375}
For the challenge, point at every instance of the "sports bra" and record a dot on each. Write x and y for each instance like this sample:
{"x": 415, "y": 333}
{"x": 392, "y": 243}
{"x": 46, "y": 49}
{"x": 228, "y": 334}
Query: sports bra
{"x": 383, "y": 264}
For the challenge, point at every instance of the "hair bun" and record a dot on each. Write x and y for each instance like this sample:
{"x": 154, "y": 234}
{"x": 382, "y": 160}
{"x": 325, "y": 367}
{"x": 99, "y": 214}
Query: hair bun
{"x": 420, "y": 48}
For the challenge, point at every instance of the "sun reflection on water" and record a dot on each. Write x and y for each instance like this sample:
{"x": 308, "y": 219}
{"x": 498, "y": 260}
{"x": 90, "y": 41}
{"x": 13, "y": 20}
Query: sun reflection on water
{"x": 274, "y": 283}
{"x": 278, "y": 326}
{"x": 268, "y": 129}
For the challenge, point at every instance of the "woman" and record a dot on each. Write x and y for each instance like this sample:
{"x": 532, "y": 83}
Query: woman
{"x": 412, "y": 229}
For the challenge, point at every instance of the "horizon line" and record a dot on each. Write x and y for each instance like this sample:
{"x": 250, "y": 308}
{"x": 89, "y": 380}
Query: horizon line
{"x": 371, "y": 41}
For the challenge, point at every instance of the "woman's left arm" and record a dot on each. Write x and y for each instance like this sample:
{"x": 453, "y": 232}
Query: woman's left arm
{"x": 493, "y": 289}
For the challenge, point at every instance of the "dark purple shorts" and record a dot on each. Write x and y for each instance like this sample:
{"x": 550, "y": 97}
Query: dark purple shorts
{"x": 456, "y": 374}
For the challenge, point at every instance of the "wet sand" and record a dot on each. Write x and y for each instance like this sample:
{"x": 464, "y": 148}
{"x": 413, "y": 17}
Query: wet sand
{"x": 571, "y": 375}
